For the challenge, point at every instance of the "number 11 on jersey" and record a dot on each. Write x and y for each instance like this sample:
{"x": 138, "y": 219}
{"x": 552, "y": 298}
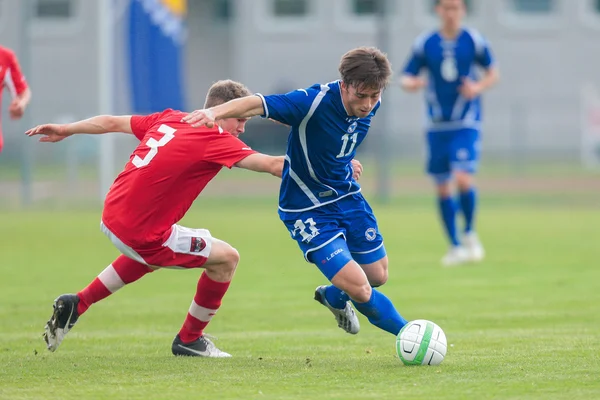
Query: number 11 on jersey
{"x": 345, "y": 139}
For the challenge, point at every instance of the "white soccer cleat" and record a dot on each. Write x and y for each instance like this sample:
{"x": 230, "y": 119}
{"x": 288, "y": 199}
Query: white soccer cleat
{"x": 346, "y": 318}
{"x": 474, "y": 248}
{"x": 201, "y": 347}
{"x": 456, "y": 255}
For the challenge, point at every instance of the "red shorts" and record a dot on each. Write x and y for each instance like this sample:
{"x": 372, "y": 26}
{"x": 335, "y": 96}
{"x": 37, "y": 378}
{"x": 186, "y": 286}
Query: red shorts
{"x": 185, "y": 248}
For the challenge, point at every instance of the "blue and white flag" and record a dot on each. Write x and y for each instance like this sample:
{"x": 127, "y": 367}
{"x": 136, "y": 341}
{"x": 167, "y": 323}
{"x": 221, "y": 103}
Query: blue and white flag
{"x": 157, "y": 38}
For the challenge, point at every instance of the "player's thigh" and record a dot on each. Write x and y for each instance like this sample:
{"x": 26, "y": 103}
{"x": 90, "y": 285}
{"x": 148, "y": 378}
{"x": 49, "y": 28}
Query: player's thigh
{"x": 335, "y": 262}
{"x": 438, "y": 156}
{"x": 465, "y": 151}
{"x": 121, "y": 246}
{"x": 362, "y": 231}
{"x": 314, "y": 230}
{"x": 185, "y": 248}
{"x": 222, "y": 254}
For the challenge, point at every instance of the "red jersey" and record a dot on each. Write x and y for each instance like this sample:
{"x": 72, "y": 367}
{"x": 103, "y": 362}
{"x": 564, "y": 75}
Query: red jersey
{"x": 164, "y": 175}
{"x": 11, "y": 76}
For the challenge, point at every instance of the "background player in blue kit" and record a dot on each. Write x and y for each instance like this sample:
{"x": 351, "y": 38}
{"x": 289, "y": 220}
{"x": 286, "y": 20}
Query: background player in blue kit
{"x": 450, "y": 56}
{"x": 319, "y": 202}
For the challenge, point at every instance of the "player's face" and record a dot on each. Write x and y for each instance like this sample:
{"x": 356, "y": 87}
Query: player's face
{"x": 451, "y": 12}
{"x": 359, "y": 102}
{"x": 235, "y": 126}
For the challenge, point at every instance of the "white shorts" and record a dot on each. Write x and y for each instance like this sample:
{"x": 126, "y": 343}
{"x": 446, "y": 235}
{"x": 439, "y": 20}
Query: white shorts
{"x": 185, "y": 248}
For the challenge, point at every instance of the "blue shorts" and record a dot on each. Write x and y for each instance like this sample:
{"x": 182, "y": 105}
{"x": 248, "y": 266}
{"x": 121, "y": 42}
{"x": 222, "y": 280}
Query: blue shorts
{"x": 456, "y": 150}
{"x": 350, "y": 218}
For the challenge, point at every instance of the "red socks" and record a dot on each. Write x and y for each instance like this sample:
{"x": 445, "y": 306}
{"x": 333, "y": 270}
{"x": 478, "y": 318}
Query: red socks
{"x": 122, "y": 271}
{"x": 206, "y": 302}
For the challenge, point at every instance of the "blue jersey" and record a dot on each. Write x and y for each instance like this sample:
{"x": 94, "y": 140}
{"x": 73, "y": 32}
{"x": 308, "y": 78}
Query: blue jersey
{"x": 322, "y": 142}
{"x": 448, "y": 62}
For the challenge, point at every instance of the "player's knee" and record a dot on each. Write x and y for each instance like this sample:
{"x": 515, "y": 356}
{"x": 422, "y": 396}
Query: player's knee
{"x": 235, "y": 257}
{"x": 360, "y": 293}
{"x": 464, "y": 181}
{"x": 444, "y": 190}
{"x": 232, "y": 258}
{"x": 223, "y": 266}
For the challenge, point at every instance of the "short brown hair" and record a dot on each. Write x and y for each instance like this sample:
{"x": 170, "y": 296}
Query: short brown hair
{"x": 365, "y": 67}
{"x": 223, "y": 91}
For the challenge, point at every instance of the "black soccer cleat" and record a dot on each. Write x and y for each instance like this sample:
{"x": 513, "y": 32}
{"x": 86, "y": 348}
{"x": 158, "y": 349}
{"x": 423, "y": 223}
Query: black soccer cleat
{"x": 201, "y": 347}
{"x": 63, "y": 318}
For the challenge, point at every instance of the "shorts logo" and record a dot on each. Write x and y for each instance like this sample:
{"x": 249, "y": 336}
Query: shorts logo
{"x": 330, "y": 257}
{"x": 462, "y": 154}
{"x": 198, "y": 244}
{"x": 371, "y": 234}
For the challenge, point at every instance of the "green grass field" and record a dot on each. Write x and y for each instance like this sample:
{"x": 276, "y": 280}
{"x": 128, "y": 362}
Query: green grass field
{"x": 523, "y": 325}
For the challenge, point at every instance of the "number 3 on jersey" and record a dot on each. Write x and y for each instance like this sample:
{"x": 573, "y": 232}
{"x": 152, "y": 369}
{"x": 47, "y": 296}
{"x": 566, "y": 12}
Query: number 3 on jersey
{"x": 169, "y": 133}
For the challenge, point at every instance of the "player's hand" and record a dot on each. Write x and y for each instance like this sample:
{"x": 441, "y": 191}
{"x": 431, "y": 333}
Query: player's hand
{"x": 16, "y": 109}
{"x": 51, "y": 133}
{"x": 412, "y": 83}
{"x": 198, "y": 118}
{"x": 469, "y": 89}
{"x": 357, "y": 169}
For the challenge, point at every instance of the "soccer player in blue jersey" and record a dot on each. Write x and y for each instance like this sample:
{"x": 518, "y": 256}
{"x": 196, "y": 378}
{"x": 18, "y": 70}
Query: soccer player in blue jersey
{"x": 451, "y": 56}
{"x": 319, "y": 202}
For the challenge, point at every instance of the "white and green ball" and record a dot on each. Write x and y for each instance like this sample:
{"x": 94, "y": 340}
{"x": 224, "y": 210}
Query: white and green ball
{"x": 421, "y": 342}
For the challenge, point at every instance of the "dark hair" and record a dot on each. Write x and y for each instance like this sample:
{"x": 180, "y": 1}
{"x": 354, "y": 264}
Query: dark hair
{"x": 223, "y": 91}
{"x": 438, "y": 2}
{"x": 366, "y": 67}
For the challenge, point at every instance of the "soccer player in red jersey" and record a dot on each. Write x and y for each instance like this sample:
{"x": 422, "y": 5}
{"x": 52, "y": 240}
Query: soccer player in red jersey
{"x": 165, "y": 173}
{"x": 12, "y": 79}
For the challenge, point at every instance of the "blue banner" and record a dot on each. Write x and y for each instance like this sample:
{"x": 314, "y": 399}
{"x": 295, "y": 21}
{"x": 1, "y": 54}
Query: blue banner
{"x": 156, "y": 52}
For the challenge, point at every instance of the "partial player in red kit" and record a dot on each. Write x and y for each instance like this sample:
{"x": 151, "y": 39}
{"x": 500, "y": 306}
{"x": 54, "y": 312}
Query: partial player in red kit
{"x": 166, "y": 172}
{"x": 12, "y": 79}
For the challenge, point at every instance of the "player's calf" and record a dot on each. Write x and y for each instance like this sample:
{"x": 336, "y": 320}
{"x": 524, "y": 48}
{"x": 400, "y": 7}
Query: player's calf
{"x": 63, "y": 319}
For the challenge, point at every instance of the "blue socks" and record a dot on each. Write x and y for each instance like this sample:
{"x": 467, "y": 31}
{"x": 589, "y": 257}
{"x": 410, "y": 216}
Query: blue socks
{"x": 335, "y": 297}
{"x": 468, "y": 202}
{"x": 448, "y": 214}
{"x": 381, "y": 312}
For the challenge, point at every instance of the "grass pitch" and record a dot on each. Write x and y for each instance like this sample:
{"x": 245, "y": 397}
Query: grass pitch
{"x": 523, "y": 325}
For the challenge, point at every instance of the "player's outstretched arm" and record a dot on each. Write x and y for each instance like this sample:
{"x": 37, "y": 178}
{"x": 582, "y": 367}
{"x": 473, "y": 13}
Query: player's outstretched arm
{"x": 245, "y": 107}
{"x": 263, "y": 163}
{"x": 96, "y": 125}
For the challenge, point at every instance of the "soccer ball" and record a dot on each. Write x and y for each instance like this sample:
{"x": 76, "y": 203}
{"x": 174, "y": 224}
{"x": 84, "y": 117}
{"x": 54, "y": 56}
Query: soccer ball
{"x": 421, "y": 342}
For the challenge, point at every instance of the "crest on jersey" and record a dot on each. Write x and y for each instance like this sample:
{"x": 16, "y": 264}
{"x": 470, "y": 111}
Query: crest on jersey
{"x": 371, "y": 234}
{"x": 352, "y": 127}
{"x": 198, "y": 244}
{"x": 449, "y": 70}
